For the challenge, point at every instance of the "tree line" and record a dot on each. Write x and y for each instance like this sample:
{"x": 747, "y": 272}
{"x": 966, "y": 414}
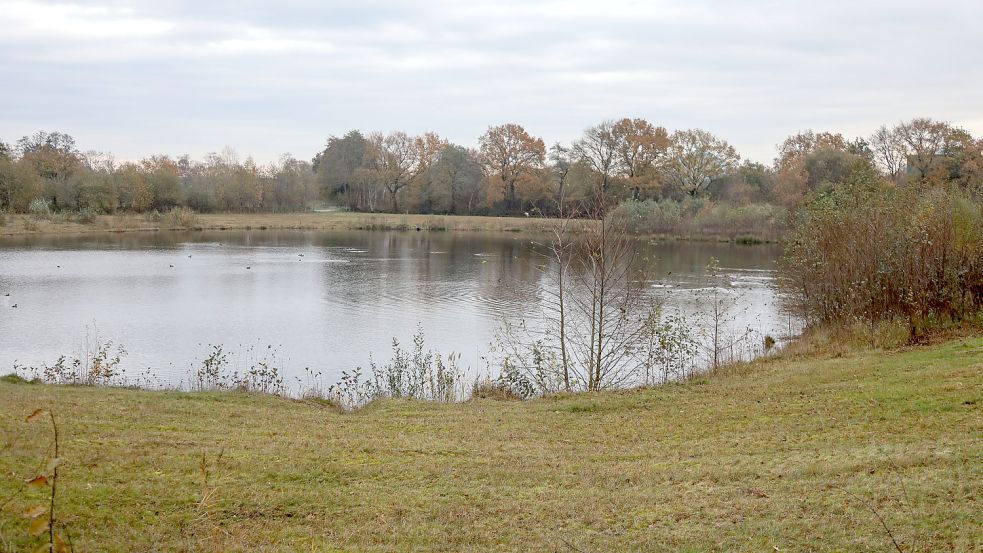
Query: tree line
{"x": 511, "y": 171}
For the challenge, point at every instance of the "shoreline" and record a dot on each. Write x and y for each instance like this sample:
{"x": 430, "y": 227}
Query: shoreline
{"x": 22, "y": 225}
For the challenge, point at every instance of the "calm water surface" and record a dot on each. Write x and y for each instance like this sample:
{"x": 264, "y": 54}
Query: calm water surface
{"x": 324, "y": 300}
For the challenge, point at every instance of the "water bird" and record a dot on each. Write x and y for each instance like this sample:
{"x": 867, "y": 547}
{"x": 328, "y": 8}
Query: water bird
{"x": 14, "y": 306}
{"x": 171, "y": 266}
{"x": 248, "y": 267}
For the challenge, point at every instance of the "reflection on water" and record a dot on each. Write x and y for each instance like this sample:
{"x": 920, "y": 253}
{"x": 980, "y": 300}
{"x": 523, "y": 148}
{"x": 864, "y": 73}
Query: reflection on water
{"x": 324, "y": 300}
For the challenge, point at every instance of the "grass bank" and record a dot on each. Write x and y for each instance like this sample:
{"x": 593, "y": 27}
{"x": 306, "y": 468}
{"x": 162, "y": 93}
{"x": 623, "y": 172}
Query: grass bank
{"x": 19, "y": 224}
{"x": 779, "y": 455}
{"x": 26, "y": 224}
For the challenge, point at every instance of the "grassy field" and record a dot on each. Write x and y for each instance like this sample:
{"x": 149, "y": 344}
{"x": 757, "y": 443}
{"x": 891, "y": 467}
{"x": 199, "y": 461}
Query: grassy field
{"x": 780, "y": 455}
{"x": 338, "y": 220}
{"x": 14, "y": 224}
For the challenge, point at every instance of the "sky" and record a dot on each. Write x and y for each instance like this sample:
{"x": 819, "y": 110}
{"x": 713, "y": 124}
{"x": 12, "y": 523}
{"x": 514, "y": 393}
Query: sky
{"x": 267, "y": 78}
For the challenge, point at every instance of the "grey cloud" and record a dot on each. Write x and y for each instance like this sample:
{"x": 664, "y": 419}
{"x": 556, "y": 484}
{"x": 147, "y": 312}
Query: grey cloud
{"x": 180, "y": 76}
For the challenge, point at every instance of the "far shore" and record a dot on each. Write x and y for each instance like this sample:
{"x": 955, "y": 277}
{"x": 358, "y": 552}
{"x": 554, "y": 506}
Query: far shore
{"x": 29, "y": 225}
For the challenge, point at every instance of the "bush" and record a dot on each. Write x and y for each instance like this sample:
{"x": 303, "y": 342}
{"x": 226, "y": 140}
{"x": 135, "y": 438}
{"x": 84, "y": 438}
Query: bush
{"x": 180, "y": 217}
{"x": 39, "y": 207}
{"x": 493, "y": 389}
{"x": 650, "y": 216}
{"x": 702, "y": 217}
{"x": 86, "y": 216}
{"x": 869, "y": 254}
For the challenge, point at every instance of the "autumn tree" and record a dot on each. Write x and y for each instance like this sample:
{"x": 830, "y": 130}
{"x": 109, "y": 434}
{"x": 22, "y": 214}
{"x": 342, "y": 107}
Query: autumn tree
{"x": 19, "y": 184}
{"x": 640, "y": 146}
{"x": 927, "y": 152}
{"x": 695, "y": 158}
{"x": 797, "y": 146}
{"x": 400, "y": 159}
{"x": 56, "y": 159}
{"x": 966, "y": 161}
{"x": 807, "y": 160}
{"x": 162, "y": 178}
{"x": 54, "y": 155}
{"x": 131, "y": 185}
{"x": 427, "y": 148}
{"x": 508, "y": 153}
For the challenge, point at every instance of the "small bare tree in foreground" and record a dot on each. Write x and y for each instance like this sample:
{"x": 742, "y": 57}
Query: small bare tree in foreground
{"x": 595, "y": 323}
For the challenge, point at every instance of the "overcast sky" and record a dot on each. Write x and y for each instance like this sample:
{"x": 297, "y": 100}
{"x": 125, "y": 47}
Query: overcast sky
{"x": 181, "y": 76}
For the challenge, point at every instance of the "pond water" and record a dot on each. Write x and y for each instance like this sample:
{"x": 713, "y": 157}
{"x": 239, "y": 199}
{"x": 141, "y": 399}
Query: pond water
{"x": 319, "y": 300}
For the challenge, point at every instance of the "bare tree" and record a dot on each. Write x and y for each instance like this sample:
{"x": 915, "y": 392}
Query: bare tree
{"x": 926, "y": 142}
{"x": 592, "y": 332}
{"x": 599, "y": 150}
{"x": 396, "y": 163}
{"x": 796, "y": 147}
{"x": 696, "y": 157}
{"x": 890, "y": 151}
{"x": 561, "y": 162}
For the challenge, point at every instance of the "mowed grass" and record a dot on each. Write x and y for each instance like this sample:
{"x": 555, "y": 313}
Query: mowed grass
{"x": 779, "y": 455}
{"x": 339, "y": 220}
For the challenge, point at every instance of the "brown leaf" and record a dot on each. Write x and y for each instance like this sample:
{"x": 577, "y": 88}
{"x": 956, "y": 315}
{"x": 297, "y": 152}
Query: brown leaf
{"x": 38, "y": 526}
{"x": 38, "y": 413}
{"x": 35, "y": 511}
{"x": 38, "y": 480}
{"x": 60, "y": 546}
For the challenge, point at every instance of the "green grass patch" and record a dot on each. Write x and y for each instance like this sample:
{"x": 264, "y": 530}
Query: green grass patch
{"x": 784, "y": 454}
{"x": 13, "y": 378}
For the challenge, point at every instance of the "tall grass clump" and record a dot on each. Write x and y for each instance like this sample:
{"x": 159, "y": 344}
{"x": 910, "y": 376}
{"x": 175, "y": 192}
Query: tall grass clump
{"x": 259, "y": 371}
{"x": 418, "y": 374}
{"x": 180, "y": 217}
{"x": 86, "y": 216}
{"x": 872, "y": 255}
